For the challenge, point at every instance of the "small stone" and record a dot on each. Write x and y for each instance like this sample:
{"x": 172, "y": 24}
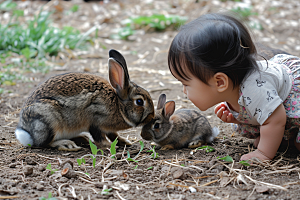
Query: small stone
{"x": 165, "y": 169}
{"x": 261, "y": 188}
{"x": 178, "y": 174}
{"x": 39, "y": 187}
{"x": 12, "y": 165}
{"x": 28, "y": 170}
{"x": 42, "y": 167}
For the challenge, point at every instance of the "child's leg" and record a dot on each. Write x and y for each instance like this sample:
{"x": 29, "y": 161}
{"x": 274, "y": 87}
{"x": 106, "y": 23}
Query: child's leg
{"x": 256, "y": 142}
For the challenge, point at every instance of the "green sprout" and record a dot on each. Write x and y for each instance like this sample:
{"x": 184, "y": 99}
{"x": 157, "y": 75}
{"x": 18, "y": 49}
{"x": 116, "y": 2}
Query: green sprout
{"x": 226, "y": 158}
{"x": 245, "y": 163}
{"x": 106, "y": 191}
{"x": 49, "y": 197}
{"x": 207, "y": 148}
{"x": 49, "y": 168}
{"x": 154, "y": 155}
{"x": 94, "y": 150}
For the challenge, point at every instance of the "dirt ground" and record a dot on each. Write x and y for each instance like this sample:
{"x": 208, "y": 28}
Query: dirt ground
{"x": 175, "y": 174}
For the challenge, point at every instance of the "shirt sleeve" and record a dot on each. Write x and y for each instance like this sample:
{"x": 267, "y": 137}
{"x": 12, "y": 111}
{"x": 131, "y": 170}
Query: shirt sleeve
{"x": 260, "y": 97}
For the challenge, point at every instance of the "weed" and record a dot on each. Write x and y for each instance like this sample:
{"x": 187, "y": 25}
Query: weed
{"x": 49, "y": 197}
{"x": 31, "y": 43}
{"x": 154, "y": 155}
{"x": 94, "y": 150}
{"x": 206, "y": 148}
{"x": 8, "y": 5}
{"x": 158, "y": 22}
{"x": 149, "y": 168}
{"x": 106, "y": 191}
{"x": 244, "y": 14}
{"x": 245, "y": 162}
{"x": 226, "y": 158}
{"x": 113, "y": 150}
{"x": 49, "y": 168}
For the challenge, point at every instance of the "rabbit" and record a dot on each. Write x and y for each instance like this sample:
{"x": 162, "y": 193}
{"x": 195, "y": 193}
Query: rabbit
{"x": 84, "y": 105}
{"x": 184, "y": 128}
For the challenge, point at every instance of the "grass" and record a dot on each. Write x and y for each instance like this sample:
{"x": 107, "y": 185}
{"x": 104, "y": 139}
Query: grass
{"x": 156, "y": 22}
{"x": 25, "y": 47}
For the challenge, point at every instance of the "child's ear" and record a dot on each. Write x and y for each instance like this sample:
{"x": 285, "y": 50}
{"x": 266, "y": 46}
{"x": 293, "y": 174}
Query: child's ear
{"x": 222, "y": 81}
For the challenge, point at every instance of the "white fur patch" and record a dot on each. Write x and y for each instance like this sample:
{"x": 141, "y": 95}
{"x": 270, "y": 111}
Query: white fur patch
{"x": 215, "y": 132}
{"x": 23, "y": 137}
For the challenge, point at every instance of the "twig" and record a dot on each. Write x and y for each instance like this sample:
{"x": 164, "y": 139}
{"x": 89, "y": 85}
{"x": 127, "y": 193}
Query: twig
{"x": 119, "y": 196}
{"x": 107, "y": 166}
{"x": 267, "y": 184}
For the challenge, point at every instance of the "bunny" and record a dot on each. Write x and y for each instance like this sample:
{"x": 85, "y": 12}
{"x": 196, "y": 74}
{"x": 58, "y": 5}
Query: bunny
{"x": 84, "y": 105}
{"x": 184, "y": 128}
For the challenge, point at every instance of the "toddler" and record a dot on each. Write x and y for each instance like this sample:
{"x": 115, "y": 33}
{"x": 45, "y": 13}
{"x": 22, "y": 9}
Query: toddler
{"x": 214, "y": 58}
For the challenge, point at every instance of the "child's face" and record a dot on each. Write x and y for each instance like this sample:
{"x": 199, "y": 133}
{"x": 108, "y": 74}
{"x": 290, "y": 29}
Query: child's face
{"x": 200, "y": 94}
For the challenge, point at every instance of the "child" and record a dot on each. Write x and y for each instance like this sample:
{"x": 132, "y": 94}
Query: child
{"x": 214, "y": 58}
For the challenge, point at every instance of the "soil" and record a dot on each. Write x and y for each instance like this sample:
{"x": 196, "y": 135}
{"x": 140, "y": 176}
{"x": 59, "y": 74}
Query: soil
{"x": 174, "y": 174}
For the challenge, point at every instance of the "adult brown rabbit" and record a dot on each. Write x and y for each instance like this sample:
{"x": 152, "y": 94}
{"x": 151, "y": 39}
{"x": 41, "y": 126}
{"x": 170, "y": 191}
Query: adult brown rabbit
{"x": 185, "y": 128}
{"x": 80, "y": 104}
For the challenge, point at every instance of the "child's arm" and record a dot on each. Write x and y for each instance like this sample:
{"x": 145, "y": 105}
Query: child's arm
{"x": 224, "y": 114}
{"x": 271, "y": 134}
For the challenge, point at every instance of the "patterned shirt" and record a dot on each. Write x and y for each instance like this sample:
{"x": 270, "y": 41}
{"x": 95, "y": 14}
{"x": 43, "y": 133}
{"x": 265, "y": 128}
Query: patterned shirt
{"x": 263, "y": 91}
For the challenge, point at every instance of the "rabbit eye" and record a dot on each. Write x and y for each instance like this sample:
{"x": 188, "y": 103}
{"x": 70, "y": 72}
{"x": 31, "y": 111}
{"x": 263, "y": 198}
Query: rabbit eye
{"x": 156, "y": 125}
{"x": 139, "y": 102}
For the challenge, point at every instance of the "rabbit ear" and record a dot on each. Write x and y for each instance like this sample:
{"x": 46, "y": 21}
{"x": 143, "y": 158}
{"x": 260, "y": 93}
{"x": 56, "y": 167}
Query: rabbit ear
{"x": 118, "y": 78}
{"x": 120, "y": 59}
{"x": 161, "y": 101}
{"x": 169, "y": 109}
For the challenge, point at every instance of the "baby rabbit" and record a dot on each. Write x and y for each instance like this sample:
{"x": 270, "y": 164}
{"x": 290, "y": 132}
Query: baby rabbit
{"x": 184, "y": 128}
{"x": 79, "y": 104}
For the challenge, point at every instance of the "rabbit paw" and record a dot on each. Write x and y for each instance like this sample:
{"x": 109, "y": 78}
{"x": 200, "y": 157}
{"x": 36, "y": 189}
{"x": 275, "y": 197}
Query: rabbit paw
{"x": 65, "y": 145}
{"x": 87, "y": 136}
{"x": 167, "y": 147}
{"x": 196, "y": 143}
{"x": 123, "y": 141}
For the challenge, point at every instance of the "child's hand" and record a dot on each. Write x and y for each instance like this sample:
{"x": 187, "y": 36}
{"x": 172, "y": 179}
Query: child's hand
{"x": 224, "y": 114}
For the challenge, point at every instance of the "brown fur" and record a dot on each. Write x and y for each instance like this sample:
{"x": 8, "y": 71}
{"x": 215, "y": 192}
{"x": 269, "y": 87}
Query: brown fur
{"x": 184, "y": 128}
{"x": 68, "y": 104}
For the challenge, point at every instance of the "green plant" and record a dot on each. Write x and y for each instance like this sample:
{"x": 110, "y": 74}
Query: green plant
{"x": 8, "y": 5}
{"x": 24, "y": 46}
{"x": 206, "y": 148}
{"x": 49, "y": 168}
{"x": 226, "y": 158}
{"x": 244, "y": 12}
{"x": 74, "y": 8}
{"x": 150, "y": 168}
{"x": 49, "y": 197}
{"x": 245, "y": 163}
{"x": 158, "y": 22}
{"x": 94, "y": 150}
{"x": 154, "y": 155}
{"x": 106, "y": 191}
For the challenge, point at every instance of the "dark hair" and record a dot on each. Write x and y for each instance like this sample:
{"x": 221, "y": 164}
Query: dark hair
{"x": 213, "y": 43}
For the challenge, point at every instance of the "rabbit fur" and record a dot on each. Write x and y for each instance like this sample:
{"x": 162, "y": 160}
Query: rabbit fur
{"x": 84, "y": 105}
{"x": 185, "y": 128}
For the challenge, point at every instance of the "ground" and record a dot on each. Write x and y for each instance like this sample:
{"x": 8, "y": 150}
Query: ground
{"x": 175, "y": 174}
